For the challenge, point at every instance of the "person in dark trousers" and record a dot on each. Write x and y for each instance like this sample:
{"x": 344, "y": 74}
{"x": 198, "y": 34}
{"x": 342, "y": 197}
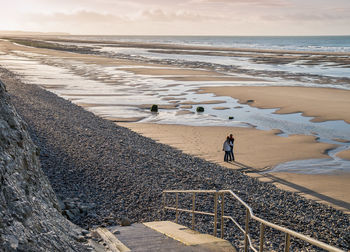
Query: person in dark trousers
{"x": 227, "y": 148}
{"x": 232, "y": 140}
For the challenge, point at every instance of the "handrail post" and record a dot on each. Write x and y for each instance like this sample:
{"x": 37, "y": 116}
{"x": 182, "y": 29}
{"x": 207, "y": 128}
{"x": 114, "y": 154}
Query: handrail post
{"x": 164, "y": 204}
{"x": 215, "y": 213}
{"x": 246, "y": 231}
{"x": 222, "y": 214}
{"x": 287, "y": 244}
{"x": 177, "y": 207}
{"x": 193, "y": 208}
{"x": 262, "y": 236}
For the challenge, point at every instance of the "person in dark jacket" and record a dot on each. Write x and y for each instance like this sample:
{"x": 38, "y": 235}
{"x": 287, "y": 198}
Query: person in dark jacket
{"x": 231, "y": 142}
{"x": 227, "y": 148}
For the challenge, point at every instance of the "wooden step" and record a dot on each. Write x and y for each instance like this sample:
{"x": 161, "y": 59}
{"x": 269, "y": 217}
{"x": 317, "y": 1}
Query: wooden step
{"x": 140, "y": 238}
{"x": 112, "y": 241}
{"x": 156, "y": 236}
{"x": 190, "y": 237}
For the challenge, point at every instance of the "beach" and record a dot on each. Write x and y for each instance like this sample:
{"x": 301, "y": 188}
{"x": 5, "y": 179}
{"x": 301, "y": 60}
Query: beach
{"x": 257, "y": 151}
{"x": 87, "y": 106}
{"x": 122, "y": 89}
{"x": 119, "y": 173}
{"x": 131, "y": 109}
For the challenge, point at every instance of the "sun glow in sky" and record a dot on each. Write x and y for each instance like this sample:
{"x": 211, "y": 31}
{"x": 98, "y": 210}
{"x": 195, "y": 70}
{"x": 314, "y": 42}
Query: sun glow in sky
{"x": 180, "y": 17}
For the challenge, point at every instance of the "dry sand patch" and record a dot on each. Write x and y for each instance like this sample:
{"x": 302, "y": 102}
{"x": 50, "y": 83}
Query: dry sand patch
{"x": 322, "y": 103}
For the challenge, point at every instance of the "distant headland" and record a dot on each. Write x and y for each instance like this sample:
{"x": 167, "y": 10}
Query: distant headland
{"x": 23, "y": 33}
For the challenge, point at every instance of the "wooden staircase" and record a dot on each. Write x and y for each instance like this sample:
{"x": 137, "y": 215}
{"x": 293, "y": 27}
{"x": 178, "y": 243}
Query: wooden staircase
{"x": 155, "y": 236}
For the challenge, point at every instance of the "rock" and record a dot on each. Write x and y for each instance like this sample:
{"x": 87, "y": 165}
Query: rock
{"x": 13, "y": 242}
{"x": 125, "y": 221}
{"x": 95, "y": 235}
{"x": 69, "y": 205}
{"x": 75, "y": 212}
{"x": 83, "y": 209}
{"x": 30, "y": 219}
{"x": 61, "y": 205}
{"x": 200, "y": 109}
{"x": 81, "y": 238}
{"x": 69, "y": 214}
{"x": 92, "y": 215}
{"x": 154, "y": 108}
{"x": 85, "y": 232}
{"x": 111, "y": 222}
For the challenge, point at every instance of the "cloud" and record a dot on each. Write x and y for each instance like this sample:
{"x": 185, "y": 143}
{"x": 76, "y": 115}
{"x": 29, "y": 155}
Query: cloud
{"x": 244, "y": 17}
{"x": 75, "y": 17}
{"x": 180, "y": 15}
{"x": 86, "y": 17}
{"x": 245, "y": 2}
{"x": 309, "y": 17}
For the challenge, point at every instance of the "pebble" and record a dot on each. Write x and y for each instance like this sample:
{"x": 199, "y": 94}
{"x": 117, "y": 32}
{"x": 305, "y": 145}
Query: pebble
{"x": 81, "y": 238}
{"x": 85, "y": 232}
{"x": 125, "y": 222}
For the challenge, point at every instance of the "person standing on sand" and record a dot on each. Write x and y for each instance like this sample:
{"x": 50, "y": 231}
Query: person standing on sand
{"x": 232, "y": 140}
{"x": 227, "y": 148}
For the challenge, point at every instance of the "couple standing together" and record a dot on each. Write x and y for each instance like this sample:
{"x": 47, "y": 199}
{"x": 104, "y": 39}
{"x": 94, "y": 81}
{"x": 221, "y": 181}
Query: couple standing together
{"x": 228, "y": 148}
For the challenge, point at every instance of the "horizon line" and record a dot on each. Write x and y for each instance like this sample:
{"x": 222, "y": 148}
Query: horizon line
{"x": 172, "y": 35}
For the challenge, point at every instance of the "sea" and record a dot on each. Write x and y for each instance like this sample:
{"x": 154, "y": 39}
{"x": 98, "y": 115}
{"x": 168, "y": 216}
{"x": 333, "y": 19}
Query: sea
{"x": 114, "y": 92}
{"x": 295, "y": 43}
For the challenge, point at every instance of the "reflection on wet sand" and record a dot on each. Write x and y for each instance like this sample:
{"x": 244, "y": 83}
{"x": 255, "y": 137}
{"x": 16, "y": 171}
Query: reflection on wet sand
{"x": 123, "y": 90}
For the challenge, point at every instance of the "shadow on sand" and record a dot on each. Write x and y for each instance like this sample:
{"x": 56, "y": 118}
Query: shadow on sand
{"x": 300, "y": 189}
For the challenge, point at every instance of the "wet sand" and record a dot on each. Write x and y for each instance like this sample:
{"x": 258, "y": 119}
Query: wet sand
{"x": 183, "y": 74}
{"x": 344, "y": 154}
{"x": 322, "y": 103}
{"x": 260, "y": 150}
{"x": 142, "y": 68}
{"x": 254, "y": 148}
{"x": 255, "y": 151}
{"x": 186, "y": 47}
{"x": 269, "y": 56}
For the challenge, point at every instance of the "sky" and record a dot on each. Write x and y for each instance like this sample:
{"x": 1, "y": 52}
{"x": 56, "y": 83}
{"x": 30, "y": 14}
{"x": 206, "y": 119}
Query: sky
{"x": 178, "y": 17}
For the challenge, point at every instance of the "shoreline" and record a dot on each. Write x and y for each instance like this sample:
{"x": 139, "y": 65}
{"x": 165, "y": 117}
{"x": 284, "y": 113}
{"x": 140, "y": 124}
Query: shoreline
{"x": 149, "y": 45}
{"x": 84, "y": 53}
{"x": 324, "y": 104}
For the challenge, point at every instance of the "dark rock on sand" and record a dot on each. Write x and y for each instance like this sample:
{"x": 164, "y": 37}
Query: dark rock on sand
{"x": 200, "y": 109}
{"x": 154, "y": 108}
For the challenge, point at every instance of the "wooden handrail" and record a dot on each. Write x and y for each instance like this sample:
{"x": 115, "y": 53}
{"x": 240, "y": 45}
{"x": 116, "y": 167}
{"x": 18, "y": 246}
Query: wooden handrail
{"x": 249, "y": 215}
